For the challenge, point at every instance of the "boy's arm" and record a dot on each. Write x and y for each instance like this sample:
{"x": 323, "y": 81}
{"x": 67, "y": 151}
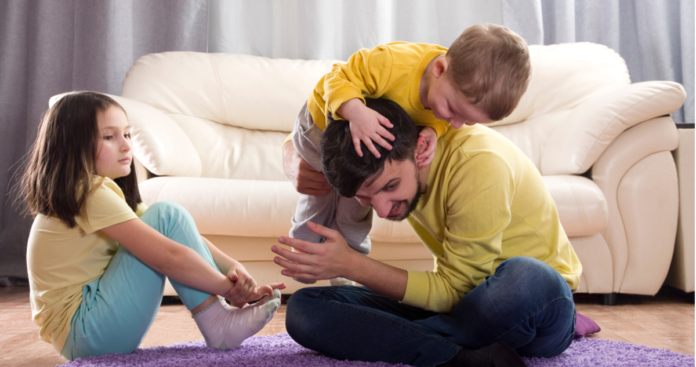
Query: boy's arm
{"x": 365, "y": 74}
{"x": 342, "y": 93}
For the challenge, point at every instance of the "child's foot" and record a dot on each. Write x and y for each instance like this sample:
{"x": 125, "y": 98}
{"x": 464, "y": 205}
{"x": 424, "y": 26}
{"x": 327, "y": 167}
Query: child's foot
{"x": 226, "y": 327}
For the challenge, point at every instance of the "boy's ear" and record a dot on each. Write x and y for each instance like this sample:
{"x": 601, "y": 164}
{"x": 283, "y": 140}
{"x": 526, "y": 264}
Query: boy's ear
{"x": 440, "y": 66}
{"x": 421, "y": 146}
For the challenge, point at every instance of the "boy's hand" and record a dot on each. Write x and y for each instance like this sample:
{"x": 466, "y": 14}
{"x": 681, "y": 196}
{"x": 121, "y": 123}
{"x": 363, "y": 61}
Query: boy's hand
{"x": 425, "y": 157}
{"x": 366, "y": 125}
{"x": 303, "y": 176}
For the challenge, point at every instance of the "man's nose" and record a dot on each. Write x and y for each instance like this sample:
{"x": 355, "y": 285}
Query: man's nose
{"x": 381, "y": 208}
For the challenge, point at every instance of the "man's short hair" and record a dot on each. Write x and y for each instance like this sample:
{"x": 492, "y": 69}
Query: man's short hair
{"x": 490, "y": 64}
{"x": 342, "y": 166}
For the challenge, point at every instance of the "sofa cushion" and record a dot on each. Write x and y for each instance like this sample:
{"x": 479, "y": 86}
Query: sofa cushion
{"x": 531, "y": 136}
{"x": 577, "y": 143}
{"x": 565, "y": 75}
{"x": 238, "y": 90}
{"x": 233, "y": 152}
{"x": 264, "y": 208}
{"x": 247, "y": 208}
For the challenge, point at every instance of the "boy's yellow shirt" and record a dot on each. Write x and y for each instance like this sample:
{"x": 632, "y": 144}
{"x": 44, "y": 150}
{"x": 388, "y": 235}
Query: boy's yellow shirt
{"x": 485, "y": 203}
{"x": 392, "y": 71}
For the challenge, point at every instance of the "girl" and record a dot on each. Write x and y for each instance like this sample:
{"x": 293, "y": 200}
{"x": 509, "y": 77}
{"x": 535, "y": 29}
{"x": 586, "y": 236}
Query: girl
{"x": 97, "y": 259}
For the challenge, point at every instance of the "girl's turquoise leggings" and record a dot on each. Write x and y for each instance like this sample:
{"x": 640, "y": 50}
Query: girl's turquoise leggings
{"x": 118, "y": 309}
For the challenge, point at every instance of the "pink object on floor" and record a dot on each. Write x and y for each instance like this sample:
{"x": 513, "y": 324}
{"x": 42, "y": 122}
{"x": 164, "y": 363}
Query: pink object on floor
{"x": 584, "y": 326}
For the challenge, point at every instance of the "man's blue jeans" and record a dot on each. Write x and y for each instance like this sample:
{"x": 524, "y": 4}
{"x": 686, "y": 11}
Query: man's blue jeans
{"x": 526, "y": 304}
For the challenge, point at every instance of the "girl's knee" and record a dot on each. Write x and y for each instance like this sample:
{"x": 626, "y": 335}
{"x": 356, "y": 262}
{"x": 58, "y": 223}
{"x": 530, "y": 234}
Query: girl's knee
{"x": 166, "y": 207}
{"x": 164, "y": 214}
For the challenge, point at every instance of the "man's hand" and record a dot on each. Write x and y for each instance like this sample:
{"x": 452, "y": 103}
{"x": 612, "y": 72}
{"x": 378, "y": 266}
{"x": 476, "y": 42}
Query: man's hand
{"x": 425, "y": 157}
{"x": 303, "y": 176}
{"x": 317, "y": 261}
{"x": 366, "y": 125}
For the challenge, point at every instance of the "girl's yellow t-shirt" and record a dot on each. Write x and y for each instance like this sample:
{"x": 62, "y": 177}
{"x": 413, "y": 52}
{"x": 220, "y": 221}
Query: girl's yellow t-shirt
{"x": 61, "y": 260}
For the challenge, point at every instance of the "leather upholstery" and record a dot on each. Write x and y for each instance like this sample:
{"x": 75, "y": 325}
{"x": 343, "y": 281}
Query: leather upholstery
{"x": 214, "y": 124}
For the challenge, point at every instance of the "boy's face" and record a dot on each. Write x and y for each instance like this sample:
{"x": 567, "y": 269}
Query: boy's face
{"x": 449, "y": 104}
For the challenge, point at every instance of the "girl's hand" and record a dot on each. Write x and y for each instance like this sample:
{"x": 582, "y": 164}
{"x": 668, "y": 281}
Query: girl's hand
{"x": 425, "y": 157}
{"x": 244, "y": 286}
{"x": 366, "y": 126}
{"x": 257, "y": 294}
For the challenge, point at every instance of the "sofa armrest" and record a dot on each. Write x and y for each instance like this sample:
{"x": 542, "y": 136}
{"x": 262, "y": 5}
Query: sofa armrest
{"x": 638, "y": 177}
{"x": 576, "y": 144}
{"x": 159, "y": 144}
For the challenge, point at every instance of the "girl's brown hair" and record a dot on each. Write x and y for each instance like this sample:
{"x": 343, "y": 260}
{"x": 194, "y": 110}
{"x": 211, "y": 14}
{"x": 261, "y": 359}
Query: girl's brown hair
{"x": 490, "y": 64}
{"x": 58, "y": 177}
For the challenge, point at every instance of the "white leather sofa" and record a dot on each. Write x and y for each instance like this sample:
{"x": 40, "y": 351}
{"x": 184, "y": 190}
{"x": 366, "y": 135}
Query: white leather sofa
{"x": 208, "y": 131}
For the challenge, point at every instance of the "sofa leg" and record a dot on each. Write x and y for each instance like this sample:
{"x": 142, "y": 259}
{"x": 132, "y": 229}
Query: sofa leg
{"x": 609, "y": 299}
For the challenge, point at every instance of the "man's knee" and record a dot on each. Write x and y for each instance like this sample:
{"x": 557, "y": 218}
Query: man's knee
{"x": 299, "y": 318}
{"x": 534, "y": 278}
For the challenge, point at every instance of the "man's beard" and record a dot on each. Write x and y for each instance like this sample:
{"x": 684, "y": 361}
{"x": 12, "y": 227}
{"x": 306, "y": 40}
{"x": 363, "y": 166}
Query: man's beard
{"x": 412, "y": 205}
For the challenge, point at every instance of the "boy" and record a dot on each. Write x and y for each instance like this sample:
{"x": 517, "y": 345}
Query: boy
{"x": 480, "y": 78}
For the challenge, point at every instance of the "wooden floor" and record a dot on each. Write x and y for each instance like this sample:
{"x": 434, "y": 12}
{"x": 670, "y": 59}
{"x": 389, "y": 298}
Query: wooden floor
{"x": 664, "y": 321}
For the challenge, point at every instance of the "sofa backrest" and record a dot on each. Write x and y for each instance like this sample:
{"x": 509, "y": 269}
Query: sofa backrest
{"x": 238, "y": 109}
{"x": 235, "y": 109}
{"x": 563, "y": 77}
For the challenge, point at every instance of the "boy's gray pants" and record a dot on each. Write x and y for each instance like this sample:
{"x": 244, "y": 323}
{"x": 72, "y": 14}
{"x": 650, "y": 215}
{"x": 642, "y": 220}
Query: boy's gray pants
{"x": 352, "y": 220}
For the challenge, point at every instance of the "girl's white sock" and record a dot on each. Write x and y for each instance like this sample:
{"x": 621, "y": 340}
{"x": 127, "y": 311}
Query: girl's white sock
{"x": 226, "y": 327}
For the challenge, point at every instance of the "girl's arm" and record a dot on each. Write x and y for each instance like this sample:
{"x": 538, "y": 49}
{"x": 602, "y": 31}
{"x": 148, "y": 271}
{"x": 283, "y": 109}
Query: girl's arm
{"x": 224, "y": 262}
{"x": 244, "y": 284}
{"x": 245, "y": 287}
{"x": 168, "y": 257}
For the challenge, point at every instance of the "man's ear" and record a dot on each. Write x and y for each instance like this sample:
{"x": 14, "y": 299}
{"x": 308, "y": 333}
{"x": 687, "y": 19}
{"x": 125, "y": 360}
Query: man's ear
{"x": 421, "y": 146}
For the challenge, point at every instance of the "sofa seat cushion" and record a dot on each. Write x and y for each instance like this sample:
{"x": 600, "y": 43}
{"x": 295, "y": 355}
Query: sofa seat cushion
{"x": 247, "y": 208}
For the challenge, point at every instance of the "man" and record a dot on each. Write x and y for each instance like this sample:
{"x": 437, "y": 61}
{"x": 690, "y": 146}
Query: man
{"x": 504, "y": 266}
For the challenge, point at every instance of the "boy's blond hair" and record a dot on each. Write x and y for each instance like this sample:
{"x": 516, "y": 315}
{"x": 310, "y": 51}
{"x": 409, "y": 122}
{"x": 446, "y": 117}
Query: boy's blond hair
{"x": 490, "y": 64}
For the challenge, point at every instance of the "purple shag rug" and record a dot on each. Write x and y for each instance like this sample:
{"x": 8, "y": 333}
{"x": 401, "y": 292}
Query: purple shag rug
{"x": 281, "y": 350}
